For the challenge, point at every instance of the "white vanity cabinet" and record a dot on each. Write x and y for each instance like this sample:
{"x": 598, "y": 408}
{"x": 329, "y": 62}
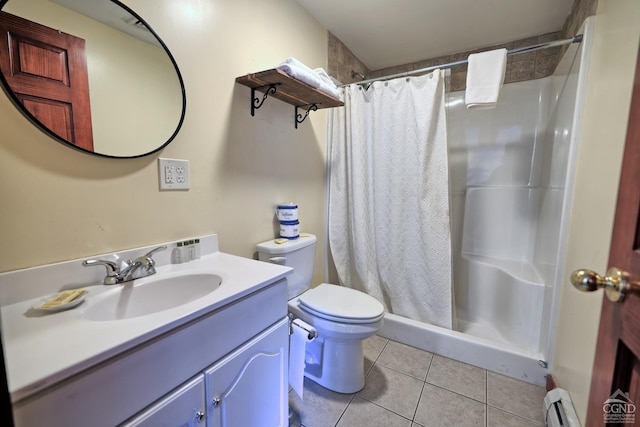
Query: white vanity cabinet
{"x": 249, "y": 387}
{"x": 184, "y": 407}
{"x": 238, "y": 352}
{"x": 246, "y": 388}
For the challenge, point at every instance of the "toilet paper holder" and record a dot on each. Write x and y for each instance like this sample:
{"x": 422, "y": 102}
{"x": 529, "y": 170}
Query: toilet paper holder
{"x": 312, "y": 333}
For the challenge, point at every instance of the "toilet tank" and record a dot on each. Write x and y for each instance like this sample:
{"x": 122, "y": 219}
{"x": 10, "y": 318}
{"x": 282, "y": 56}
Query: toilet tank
{"x": 298, "y": 254}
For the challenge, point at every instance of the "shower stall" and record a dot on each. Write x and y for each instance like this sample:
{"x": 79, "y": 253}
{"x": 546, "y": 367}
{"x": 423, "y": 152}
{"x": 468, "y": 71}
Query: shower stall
{"x": 511, "y": 176}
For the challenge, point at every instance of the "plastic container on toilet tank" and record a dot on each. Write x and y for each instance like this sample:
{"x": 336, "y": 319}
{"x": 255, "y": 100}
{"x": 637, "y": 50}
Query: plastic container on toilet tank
{"x": 290, "y": 229}
{"x": 298, "y": 254}
{"x": 287, "y": 212}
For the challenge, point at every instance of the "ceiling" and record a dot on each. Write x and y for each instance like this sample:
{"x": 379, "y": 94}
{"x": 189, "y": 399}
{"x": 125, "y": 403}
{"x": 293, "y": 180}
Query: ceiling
{"x": 384, "y": 33}
{"x": 112, "y": 15}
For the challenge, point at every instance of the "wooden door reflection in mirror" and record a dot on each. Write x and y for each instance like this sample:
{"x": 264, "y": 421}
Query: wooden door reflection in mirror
{"x": 47, "y": 70}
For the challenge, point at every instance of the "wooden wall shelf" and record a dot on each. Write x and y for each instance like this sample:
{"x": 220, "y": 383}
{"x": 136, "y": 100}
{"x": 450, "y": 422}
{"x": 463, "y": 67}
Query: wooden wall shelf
{"x": 280, "y": 85}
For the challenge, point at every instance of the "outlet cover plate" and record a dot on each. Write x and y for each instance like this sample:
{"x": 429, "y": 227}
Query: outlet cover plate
{"x": 173, "y": 174}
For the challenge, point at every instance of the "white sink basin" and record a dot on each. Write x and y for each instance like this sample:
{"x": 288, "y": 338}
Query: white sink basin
{"x": 150, "y": 295}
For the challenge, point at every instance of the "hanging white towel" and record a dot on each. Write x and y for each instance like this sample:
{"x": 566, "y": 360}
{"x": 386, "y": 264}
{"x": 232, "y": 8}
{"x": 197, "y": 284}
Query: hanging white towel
{"x": 485, "y": 76}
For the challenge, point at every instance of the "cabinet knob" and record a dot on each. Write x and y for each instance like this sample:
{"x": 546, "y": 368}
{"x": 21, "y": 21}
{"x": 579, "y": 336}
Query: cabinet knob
{"x": 215, "y": 402}
{"x": 199, "y": 416}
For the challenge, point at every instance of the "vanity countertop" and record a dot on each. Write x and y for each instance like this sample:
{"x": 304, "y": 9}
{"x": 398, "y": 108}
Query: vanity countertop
{"x": 42, "y": 349}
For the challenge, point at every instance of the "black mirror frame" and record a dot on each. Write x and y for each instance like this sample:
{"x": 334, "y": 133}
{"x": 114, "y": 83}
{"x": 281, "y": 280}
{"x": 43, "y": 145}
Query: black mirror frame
{"x": 12, "y": 96}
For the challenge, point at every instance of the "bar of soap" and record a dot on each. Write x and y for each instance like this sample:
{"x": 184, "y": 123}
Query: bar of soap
{"x": 64, "y": 297}
{"x": 281, "y": 241}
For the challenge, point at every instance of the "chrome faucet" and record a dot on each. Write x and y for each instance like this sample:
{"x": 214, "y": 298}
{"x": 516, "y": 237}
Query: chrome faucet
{"x": 141, "y": 267}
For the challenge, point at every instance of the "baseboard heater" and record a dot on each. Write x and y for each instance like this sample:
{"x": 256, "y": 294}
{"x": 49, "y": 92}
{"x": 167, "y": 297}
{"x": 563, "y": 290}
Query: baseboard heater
{"x": 558, "y": 410}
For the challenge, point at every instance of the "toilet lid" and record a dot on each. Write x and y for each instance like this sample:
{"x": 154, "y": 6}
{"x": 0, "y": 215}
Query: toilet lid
{"x": 341, "y": 304}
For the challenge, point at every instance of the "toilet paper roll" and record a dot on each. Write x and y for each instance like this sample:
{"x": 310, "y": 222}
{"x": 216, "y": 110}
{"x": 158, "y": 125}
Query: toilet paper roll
{"x": 302, "y": 333}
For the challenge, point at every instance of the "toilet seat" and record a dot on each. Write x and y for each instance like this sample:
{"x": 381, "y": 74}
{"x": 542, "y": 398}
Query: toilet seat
{"x": 341, "y": 304}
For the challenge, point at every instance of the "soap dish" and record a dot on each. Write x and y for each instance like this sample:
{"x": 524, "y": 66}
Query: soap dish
{"x": 71, "y": 304}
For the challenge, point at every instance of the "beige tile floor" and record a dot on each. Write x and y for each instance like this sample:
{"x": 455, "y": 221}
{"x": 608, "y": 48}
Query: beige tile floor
{"x": 408, "y": 387}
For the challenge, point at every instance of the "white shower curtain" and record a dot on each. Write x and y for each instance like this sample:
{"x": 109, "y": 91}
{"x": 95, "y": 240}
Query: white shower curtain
{"x": 389, "y": 227}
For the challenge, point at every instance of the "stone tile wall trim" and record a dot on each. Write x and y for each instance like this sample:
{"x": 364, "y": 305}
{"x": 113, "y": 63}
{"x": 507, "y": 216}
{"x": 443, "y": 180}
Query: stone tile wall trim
{"x": 520, "y": 67}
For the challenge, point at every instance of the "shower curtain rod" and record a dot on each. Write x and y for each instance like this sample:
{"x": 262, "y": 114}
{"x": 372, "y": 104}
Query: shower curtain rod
{"x": 556, "y": 43}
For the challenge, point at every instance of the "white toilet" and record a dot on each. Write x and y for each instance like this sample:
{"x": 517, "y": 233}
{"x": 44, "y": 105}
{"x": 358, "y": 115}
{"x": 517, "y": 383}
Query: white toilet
{"x": 343, "y": 317}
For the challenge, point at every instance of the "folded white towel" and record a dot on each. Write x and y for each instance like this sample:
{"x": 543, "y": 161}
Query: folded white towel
{"x": 485, "y": 76}
{"x": 317, "y": 79}
{"x": 299, "y": 71}
{"x": 330, "y": 89}
{"x": 326, "y": 83}
{"x": 320, "y": 72}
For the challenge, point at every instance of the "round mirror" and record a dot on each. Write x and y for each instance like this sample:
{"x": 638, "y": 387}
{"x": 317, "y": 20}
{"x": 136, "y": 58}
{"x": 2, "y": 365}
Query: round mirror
{"x": 92, "y": 74}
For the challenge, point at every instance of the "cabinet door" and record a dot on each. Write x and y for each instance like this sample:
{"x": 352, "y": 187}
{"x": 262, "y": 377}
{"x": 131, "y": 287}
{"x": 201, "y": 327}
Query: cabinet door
{"x": 248, "y": 388}
{"x": 183, "y": 407}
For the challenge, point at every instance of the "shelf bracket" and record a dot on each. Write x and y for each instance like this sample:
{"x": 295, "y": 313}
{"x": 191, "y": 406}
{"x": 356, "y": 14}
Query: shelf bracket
{"x": 256, "y": 102}
{"x": 300, "y": 118}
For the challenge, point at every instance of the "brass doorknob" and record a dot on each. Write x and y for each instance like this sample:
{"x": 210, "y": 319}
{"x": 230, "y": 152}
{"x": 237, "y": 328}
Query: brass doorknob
{"x": 616, "y": 283}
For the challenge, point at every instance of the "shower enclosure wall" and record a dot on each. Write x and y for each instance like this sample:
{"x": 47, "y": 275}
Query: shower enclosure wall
{"x": 511, "y": 172}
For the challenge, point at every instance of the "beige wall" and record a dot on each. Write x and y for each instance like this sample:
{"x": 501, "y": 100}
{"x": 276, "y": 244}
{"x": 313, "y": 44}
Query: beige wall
{"x": 605, "y": 120}
{"x": 60, "y": 204}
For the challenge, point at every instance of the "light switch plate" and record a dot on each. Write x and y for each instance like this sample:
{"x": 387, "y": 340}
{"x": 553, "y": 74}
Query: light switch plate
{"x": 173, "y": 174}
